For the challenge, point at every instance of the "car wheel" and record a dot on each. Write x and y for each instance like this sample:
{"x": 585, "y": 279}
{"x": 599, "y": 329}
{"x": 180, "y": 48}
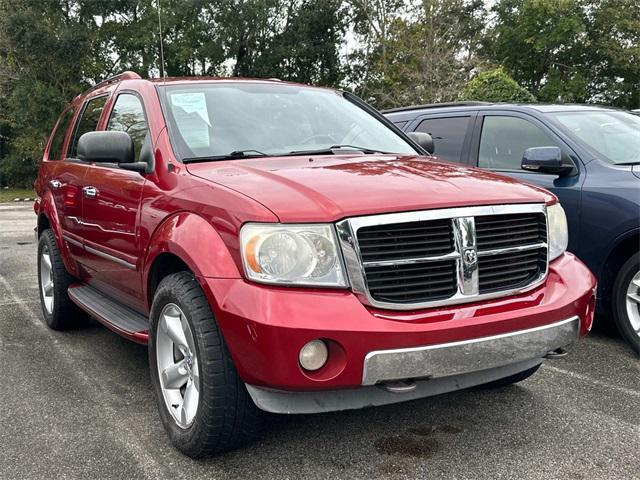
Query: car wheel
{"x": 203, "y": 403}
{"x": 59, "y": 312}
{"x": 626, "y": 302}
{"x": 510, "y": 380}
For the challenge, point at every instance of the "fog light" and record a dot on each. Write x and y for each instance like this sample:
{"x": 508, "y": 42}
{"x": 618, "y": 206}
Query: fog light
{"x": 313, "y": 355}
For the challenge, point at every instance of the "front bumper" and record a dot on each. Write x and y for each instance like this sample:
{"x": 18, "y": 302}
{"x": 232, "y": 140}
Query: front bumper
{"x": 436, "y": 361}
{"x": 287, "y": 402}
{"x": 265, "y": 327}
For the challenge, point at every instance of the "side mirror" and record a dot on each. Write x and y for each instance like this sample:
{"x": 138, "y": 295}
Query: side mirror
{"x": 106, "y": 147}
{"x": 545, "y": 160}
{"x": 422, "y": 139}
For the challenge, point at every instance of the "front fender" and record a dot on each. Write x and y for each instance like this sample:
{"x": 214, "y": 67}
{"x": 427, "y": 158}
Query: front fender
{"x": 196, "y": 242}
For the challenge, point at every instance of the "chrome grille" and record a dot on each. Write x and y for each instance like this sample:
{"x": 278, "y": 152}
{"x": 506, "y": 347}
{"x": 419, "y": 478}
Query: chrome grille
{"x": 440, "y": 257}
{"x": 405, "y": 240}
{"x": 407, "y": 283}
{"x": 510, "y": 270}
{"x": 502, "y": 231}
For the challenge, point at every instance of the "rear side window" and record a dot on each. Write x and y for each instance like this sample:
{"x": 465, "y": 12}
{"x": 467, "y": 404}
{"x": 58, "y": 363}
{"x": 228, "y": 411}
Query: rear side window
{"x": 128, "y": 116}
{"x": 87, "y": 122}
{"x": 57, "y": 142}
{"x": 448, "y": 136}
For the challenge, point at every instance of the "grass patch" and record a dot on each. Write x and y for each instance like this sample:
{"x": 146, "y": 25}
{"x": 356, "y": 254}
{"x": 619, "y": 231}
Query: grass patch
{"x": 8, "y": 194}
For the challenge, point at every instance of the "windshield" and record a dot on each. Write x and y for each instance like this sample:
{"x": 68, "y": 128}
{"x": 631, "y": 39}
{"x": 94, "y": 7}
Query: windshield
{"x": 237, "y": 119}
{"x": 614, "y": 135}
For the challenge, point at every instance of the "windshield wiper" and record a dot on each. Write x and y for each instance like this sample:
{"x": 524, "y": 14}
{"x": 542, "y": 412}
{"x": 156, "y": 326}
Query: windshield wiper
{"x": 332, "y": 148}
{"x": 249, "y": 153}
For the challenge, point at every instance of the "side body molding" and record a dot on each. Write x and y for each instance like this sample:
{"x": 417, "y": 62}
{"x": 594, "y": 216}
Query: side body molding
{"x": 196, "y": 242}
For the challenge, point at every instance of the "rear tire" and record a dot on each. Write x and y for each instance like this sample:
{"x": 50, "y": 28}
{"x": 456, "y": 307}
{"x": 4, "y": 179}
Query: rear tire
{"x": 59, "y": 312}
{"x": 626, "y": 302}
{"x": 225, "y": 416}
{"x": 505, "y": 382}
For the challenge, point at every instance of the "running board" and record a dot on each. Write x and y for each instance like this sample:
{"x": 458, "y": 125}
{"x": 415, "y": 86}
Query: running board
{"x": 113, "y": 315}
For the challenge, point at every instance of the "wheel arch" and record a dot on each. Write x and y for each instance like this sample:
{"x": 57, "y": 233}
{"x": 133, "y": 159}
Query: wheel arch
{"x": 623, "y": 248}
{"x": 48, "y": 216}
{"x": 48, "y": 219}
{"x": 186, "y": 241}
{"x": 43, "y": 223}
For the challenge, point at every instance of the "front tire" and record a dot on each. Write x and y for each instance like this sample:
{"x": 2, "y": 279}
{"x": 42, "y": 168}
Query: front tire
{"x": 626, "y": 302}
{"x": 204, "y": 405}
{"x": 59, "y": 312}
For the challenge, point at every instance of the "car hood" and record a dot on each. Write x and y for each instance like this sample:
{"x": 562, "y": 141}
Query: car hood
{"x": 328, "y": 188}
{"x": 636, "y": 170}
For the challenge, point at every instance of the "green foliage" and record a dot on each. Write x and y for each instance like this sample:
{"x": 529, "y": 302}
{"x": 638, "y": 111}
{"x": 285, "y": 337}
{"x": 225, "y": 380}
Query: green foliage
{"x": 569, "y": 50}
{"x": 422, "y": 53}
{"x": 397, "y": 52}
{"x": 535, "y": 39}
{"x": 10, "y": 194}
{"x": 51, "y": 50}
{"x": 495, "y": 86}
{"x": 614, "y": 36}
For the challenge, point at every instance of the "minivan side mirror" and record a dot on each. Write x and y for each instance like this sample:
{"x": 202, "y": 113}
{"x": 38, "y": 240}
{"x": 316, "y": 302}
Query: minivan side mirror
{"x": 422, "y": 139}
{"x": 545, "y": 160}
{"x": 106, "y": 147}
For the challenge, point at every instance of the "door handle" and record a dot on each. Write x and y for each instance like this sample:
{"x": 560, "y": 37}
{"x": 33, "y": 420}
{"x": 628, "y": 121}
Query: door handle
{"x": 90, "y": 192}
{"x": 55, "y": 184}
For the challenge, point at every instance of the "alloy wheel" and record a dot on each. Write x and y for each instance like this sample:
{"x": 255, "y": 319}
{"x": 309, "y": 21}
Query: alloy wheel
{"x": 177, "y": 364}
{"x": 46, "y": 279}
{"x": 633, "y": 303}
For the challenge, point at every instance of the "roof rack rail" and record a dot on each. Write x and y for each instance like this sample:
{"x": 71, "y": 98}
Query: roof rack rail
{"x": 128, "y": 75}
{"x": 435, "y": 105}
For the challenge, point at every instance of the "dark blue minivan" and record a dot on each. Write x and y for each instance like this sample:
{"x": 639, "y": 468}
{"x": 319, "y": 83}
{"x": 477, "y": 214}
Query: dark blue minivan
{"x": 588, "y": 156}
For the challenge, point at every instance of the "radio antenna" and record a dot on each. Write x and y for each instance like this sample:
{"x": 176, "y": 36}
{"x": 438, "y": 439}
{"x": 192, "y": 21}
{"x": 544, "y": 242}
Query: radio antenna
{"x": 163, "y": 73}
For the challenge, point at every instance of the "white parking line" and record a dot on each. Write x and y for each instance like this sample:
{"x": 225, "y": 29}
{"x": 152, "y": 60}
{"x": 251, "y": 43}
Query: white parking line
{"x": 149, "y": 465}
{"x": 593, "y": 381}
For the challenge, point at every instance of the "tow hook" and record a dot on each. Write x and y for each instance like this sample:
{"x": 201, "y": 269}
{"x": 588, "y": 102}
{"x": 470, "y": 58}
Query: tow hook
{"x": 557, "y": 353}
{"x": 403, "y": 386}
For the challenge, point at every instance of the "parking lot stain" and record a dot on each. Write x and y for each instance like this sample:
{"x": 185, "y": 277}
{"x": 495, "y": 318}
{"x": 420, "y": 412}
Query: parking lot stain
{"x": 417, "y": 441}
{"x": 427, "y": 430}
{"x": 406, "y": 445}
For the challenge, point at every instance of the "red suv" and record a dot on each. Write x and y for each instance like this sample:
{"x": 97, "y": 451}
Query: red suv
{"x": 286, "y": 248}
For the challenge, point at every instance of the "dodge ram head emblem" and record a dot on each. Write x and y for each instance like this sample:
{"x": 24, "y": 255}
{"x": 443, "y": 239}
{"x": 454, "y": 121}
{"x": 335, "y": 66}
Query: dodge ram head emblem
{"x": 470, "y": 256}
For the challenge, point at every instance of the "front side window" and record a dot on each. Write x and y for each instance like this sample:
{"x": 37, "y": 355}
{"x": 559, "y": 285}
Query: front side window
{"x": 612, "y": 134}
{"x": 88, "y": 122}
{"x": 128, "y": 116}
{"x": 448, "y": 136}
{"x": 57, "y": 141}
{"x": 504, "y": 140}
{"x": 214, "y": 120}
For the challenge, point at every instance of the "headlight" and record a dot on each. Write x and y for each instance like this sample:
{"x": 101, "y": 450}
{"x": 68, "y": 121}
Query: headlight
{"x": 292, "y": 254}
{"x": 558, "y": 233}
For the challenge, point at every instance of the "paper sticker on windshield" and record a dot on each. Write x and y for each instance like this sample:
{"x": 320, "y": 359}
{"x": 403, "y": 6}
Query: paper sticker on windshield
{"x": 192, "y": 118}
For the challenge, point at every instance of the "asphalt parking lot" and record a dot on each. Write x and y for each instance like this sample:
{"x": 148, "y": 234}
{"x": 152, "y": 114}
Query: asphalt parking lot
{"x": 79, "y": 405}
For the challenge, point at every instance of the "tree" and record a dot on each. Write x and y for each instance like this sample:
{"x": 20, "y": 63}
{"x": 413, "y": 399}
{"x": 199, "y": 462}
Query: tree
{"x": 423, "y": 55}
{"x": 614, "y": 36}
{"x": 304, "y": 47}
{"x": 543, "y": 45}
{"x": 48, "y": 54}
{"x": 51, "y": 50}
{"x": 495, "y": 86}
